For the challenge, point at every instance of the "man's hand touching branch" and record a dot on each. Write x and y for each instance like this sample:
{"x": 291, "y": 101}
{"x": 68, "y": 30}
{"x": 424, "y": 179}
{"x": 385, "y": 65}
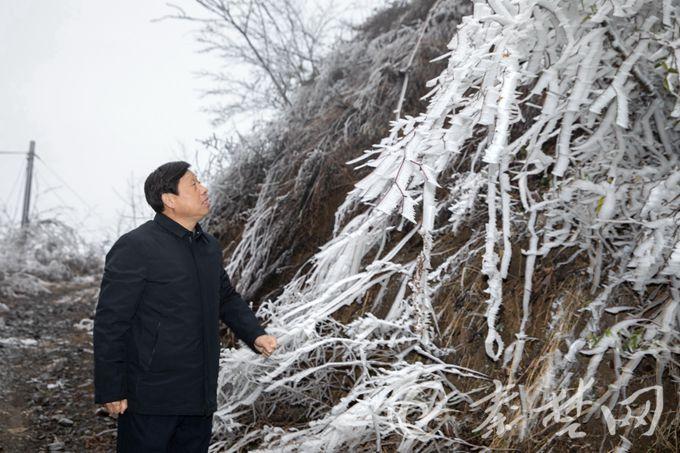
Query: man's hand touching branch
{"x": 265, "y": 344}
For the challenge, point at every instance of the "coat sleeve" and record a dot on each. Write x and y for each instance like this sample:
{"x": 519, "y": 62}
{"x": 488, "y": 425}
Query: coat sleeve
{"x": 121, "y": 289}
{"x": 236, "y": 314}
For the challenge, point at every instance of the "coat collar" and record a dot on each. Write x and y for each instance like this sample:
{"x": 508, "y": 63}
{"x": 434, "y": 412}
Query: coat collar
{"x": 174, "y": 227}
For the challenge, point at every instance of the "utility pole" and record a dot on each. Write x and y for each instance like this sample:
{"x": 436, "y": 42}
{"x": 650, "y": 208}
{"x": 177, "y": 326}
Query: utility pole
{"x": 27, "y": 188}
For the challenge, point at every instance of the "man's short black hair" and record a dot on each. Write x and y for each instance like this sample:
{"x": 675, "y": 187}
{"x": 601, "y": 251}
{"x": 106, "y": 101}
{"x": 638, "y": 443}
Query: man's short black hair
{"x": 162, "y": 180}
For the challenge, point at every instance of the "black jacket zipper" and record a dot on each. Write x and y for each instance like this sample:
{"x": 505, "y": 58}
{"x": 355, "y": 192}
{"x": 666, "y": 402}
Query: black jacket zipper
{"x": 155, "y": 343}
{"x": 205, "y": 362}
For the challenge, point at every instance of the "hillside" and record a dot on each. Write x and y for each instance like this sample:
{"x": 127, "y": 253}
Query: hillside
{"x": 499, "y": 267}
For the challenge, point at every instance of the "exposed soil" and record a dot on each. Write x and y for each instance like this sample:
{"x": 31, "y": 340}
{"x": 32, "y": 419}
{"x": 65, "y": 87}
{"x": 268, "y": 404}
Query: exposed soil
{"x": 46, "y": 373}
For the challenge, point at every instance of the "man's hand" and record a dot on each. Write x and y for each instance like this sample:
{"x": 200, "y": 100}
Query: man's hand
{"x": 265, "y": 344}
{"x": 116, "y": 407}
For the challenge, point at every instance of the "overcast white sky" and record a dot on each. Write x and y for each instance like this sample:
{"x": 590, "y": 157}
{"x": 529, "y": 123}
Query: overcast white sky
{"x": 104, "y": 92}
{"x": 107, "y": 94}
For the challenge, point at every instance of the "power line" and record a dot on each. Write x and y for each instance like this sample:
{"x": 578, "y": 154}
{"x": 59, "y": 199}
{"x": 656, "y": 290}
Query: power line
{"x": 16, "y": 215}
{"x": 90, "y": 208}
{"x": 17, "y": 204}
{"x": 14, "y": 186}
{"x": 34, "y": 197}
{"x": 47, "y": 191}
{"x": 64, "y": 182}
{"x": 53, "y": 189}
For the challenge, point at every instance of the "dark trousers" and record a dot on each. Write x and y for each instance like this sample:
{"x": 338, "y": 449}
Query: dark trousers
{"x": 163, "y": 433}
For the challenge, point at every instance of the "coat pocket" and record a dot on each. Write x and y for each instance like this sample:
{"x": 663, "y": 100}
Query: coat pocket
{"x": 154, "y": 345}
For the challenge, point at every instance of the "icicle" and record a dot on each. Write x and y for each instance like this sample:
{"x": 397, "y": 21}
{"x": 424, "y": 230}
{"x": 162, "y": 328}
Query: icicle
{"x": 490, "y": 269}
{"x": 578, "y": 96}
{"x": 526, "y": 295}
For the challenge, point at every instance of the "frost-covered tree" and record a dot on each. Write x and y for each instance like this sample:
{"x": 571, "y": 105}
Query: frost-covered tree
{"x": 546, "y": 158}
{"x": 270, "y": 49}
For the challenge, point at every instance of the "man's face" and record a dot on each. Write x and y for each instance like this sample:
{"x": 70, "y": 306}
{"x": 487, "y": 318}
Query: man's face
{"x": 191, "y": 200}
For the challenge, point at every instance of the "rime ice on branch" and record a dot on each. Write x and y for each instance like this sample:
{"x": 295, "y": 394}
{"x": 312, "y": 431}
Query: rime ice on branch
{"x": 558, "y": 119}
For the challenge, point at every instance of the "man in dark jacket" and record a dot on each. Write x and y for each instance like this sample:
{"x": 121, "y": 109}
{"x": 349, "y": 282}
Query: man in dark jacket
{"x": 156, "y": 328}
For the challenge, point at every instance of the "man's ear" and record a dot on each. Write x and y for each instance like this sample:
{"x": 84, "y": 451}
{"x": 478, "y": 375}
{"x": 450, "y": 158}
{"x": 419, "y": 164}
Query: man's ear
{"x": 168, "y": 200}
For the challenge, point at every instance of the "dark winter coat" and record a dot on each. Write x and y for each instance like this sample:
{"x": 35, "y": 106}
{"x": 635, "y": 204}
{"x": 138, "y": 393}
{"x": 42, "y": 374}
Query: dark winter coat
{"x": 156, "y": 332}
